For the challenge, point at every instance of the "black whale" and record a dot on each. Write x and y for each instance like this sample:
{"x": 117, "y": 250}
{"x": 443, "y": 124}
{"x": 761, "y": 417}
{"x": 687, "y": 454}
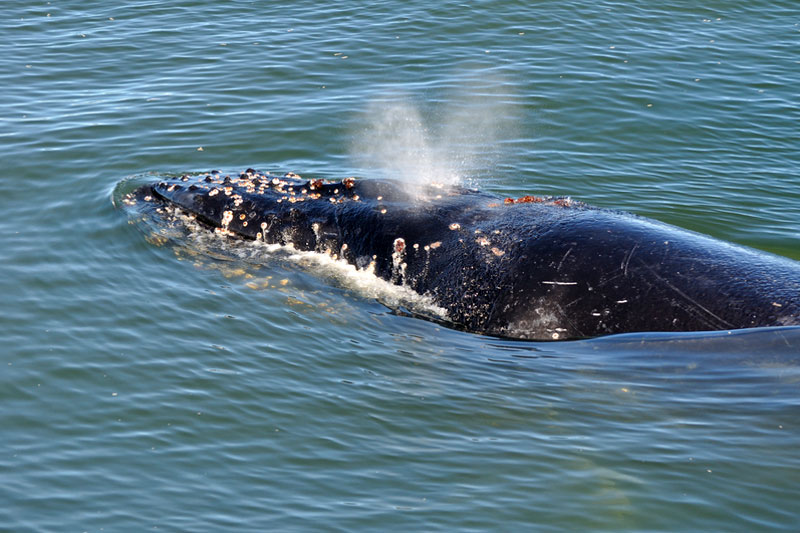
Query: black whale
{"x": 532, "y": 268}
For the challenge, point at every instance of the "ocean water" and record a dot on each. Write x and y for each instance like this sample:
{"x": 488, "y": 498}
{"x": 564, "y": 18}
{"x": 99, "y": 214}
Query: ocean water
{"x": 149, "y": 385}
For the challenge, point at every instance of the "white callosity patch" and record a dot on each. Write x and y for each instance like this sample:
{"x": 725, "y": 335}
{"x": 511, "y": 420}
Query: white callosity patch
{"x": 227, "y": 217}
{"x": 398, "y": 260}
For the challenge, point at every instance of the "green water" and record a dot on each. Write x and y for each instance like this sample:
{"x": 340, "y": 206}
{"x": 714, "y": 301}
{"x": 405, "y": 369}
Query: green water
{"x": 146, "y": 387}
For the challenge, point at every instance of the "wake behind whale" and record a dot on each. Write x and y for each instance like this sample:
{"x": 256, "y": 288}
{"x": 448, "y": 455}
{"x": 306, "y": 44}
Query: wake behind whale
{"x": 538, "y": 268}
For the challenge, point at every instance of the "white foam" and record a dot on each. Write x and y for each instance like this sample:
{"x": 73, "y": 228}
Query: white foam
{"x": 365, "y": 283}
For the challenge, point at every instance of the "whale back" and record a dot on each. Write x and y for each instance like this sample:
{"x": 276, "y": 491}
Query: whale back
{"x": 531, "y": 267}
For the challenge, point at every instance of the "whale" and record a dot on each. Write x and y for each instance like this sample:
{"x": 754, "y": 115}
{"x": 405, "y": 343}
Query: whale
{"x": 530, "y": 267}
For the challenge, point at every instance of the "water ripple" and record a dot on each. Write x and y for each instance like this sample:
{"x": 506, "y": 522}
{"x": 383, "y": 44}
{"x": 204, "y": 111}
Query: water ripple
{"x": 145, "y": 386}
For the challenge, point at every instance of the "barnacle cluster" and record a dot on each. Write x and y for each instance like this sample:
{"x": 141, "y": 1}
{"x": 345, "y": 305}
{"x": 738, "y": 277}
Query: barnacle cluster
{"x": 290, "y": 187}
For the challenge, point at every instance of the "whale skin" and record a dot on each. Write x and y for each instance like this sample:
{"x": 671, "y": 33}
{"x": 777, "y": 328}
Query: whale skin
{"x": 539, "y": 268}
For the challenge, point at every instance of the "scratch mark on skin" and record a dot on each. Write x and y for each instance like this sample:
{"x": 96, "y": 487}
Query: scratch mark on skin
{"x": 560, "y": 263}
{"x": 627, "y": 260}
{"x": 686, "y": 297}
